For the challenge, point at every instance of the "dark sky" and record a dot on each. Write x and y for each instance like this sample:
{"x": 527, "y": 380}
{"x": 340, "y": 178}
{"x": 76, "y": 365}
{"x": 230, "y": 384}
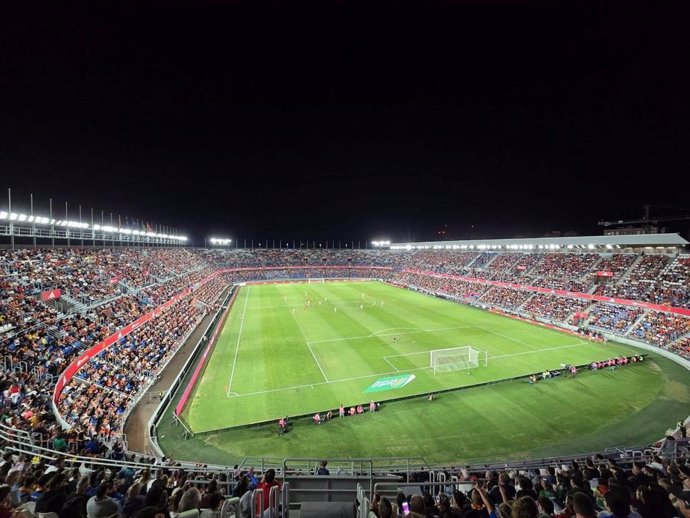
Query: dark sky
{"x": 349, "y": 120}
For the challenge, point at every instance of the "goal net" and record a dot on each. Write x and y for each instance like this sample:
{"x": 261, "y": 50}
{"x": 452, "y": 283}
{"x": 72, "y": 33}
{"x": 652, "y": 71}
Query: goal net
{"x": 456, "y": 359}
{"x": 312, "y": 280}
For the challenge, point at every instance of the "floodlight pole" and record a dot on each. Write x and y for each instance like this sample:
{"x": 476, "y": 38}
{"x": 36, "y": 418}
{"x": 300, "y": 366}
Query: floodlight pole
{"x": 52, "y": 225}
{"x": 9, "y": 210}
{"x": 66, "y": 227}
{"x": 33, "y": 223}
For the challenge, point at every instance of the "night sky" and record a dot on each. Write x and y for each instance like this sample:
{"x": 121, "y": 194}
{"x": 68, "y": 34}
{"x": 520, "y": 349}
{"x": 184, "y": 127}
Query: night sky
{"x": 349, "y": 120}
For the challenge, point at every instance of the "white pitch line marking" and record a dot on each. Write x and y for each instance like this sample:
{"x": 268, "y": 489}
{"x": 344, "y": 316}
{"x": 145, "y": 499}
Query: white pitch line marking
{"x": 375, "y": 333}
{"x": 314, "y": 342}
{"x": 389, "y": 363}
{"x": 237, "y": 346}
{"x": 506, "y": 336}
{"x": 317, "y": 363}
{"x": 537, "y": 351}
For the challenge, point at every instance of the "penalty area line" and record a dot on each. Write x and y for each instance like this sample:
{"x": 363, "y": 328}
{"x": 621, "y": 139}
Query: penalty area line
{"x": 317, "y": 363}
{"x": 491, "y": 357}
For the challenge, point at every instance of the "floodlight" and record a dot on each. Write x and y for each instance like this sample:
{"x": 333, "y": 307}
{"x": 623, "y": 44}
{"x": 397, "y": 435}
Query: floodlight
{"x": 221, "y": 241}
{"x": 3, "y": 214}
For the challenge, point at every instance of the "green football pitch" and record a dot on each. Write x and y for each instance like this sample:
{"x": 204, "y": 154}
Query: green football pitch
{"x": 296, "y": 348}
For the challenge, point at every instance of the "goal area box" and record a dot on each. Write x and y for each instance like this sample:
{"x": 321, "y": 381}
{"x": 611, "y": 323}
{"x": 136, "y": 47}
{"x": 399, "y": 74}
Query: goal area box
{"x": 456, "y": 359}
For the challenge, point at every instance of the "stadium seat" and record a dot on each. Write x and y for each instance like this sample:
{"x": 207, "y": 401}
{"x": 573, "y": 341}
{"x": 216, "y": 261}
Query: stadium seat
{"x": 229, "y": 507}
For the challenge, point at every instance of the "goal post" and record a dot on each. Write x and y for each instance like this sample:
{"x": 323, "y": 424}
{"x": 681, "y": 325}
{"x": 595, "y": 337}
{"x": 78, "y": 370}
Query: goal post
{"x": 457, "y": 358}
{"x": 314, "y": 280}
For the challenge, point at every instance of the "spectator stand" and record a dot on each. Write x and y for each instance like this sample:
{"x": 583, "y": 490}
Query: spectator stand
{"x": 176, "y": 277}
{"x": 181, "y": 375}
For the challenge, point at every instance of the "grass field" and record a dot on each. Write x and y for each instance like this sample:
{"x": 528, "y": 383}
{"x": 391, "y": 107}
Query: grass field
{"x": 293, "y": 349}
{"x": 268, "y": 358}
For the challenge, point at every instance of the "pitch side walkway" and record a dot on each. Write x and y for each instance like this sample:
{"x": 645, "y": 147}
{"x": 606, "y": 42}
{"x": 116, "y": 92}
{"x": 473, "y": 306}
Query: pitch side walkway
{"x": 135, "y": 427}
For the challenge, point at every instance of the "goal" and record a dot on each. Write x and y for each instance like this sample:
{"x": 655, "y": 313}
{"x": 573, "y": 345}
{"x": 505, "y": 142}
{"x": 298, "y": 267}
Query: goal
{"x": 315, "y": 280}
{"x": 456, "y": 359}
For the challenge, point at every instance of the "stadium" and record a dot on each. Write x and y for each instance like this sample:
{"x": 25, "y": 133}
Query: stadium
{"x": 123, "y": 348}
{"x": 344, "y": 259}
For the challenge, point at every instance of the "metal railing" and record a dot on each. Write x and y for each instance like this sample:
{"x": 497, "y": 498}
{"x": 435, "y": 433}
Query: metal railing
{"x": 278, "y": 502}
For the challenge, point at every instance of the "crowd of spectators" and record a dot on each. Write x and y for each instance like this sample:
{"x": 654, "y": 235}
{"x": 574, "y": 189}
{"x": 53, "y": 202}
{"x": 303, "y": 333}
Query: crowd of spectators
{"x": 638, "y": 281}
{"x": 659, "y": 328}
{"x": 30, "y": 489}
{"x": 39, "y": 339}
{"x": 261, "y": 258}
{"x": 590, "y": 488}
{"x": 613, "y": 317}
{"x": 617, "y": 264}
{"x": 566, "y": 265}
{"x": 97, "y": 398}
{"x": 94, "y": 275}
{"x": 506, "y": 298}
{"x": 560, "y": 283}
{"x": 681, "y": 347}
{"x": 454, "y": 288}
{"x": 554, "y": 307}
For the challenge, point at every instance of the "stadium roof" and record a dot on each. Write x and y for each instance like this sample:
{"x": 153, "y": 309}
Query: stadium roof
{"x": 536, "y": 243}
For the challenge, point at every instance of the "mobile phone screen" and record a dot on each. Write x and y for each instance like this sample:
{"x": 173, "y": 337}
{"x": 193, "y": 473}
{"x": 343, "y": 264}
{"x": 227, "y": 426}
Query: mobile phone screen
{"x": 406, "y": 508}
